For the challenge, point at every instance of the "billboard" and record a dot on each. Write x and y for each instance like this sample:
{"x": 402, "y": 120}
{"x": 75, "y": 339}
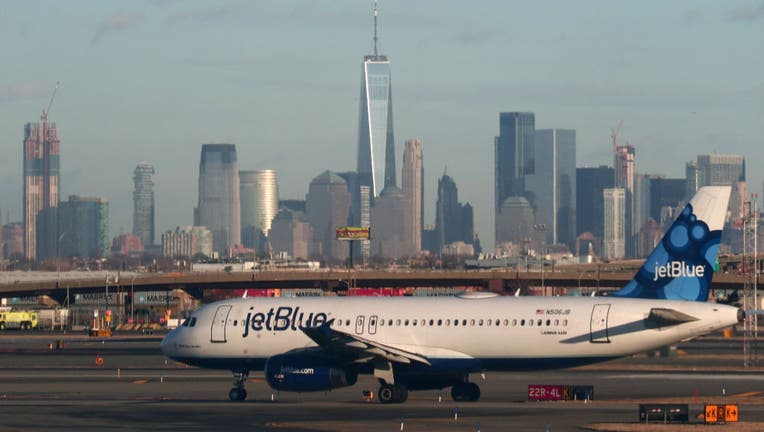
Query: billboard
{"x": 353, "y": 233}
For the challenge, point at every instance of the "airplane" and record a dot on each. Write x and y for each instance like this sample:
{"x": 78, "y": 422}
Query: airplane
{"x": 419, "y": 343}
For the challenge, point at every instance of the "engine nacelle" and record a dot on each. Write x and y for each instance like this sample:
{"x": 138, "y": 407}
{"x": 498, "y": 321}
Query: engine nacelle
{"x": 306, "y": 373}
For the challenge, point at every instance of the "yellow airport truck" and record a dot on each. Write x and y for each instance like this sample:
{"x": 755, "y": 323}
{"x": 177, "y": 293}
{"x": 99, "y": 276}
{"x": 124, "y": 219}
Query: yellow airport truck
{"x": 18, "y": 319}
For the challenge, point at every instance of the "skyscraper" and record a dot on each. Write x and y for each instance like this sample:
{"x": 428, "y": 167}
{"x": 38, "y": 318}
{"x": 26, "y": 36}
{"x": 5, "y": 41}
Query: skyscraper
{"x": 84, "y": 224}
{"x": 411, "y": 181}
{"x": 219, "y": 207}
{"x": 590, "y": 209}
{"x": 454, "y": 222}
{"x": 614, "y": 243}
{"x": 259, "y": 195}
{"x": 375, "y": 120}
{"x": 552, "y": 188}
{"x": 625, "y": 178}
{"x": 41, "y": 184}
{"x": 514, "y": 153}
{"x": 327, "y": 206}
{"x": 720, "y": 170}
{"x": 143, "y": 203}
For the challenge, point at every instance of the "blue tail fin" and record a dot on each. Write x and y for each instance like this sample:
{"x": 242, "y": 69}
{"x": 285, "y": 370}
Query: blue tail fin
{"x": 682, "y": 265}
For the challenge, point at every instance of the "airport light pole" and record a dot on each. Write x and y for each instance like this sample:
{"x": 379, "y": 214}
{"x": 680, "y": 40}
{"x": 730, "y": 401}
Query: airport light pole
{"x": 542, "y": 229}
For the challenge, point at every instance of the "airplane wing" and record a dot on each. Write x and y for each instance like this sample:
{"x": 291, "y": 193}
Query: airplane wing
{"x": 358, "y": 349}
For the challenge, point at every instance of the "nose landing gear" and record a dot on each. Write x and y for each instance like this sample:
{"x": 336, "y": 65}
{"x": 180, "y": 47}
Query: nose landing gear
{"x": 238, "y": 392}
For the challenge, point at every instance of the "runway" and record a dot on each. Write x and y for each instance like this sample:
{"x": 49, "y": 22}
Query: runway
{"x": 136, "y": 388}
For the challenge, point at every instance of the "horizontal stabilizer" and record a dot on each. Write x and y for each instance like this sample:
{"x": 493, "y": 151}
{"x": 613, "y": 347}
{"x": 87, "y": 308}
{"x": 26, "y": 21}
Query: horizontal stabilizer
{"x": 663, "y": 317}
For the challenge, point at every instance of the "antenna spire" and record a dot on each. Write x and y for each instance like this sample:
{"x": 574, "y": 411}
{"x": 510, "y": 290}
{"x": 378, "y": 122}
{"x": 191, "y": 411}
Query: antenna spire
{"x": 375, "y": 28}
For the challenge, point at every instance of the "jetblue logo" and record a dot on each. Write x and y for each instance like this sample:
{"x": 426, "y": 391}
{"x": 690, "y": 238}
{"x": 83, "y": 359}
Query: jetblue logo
{"x": 281, "y": 319}
{"x": 675, "y": 269}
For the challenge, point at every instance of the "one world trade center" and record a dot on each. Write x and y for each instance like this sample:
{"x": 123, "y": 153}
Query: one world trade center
{"x": 375, "y": 121}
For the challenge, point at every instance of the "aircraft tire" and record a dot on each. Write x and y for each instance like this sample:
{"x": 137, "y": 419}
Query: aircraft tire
{"x": 386, "y": 394}
{"x": 237, "y": 394}
{"x": 401, "y": 393}
{"x": 472, "y": 393}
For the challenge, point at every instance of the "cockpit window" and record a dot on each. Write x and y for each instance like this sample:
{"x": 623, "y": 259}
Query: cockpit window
{"x": 192, "y": 322}
{"x": 185, "y": 322}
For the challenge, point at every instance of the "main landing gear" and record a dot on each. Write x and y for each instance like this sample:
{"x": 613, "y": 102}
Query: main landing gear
{"x": 238, "y": 393}
{"x": 392, "y": 393}
{"x": 465, "y": 392}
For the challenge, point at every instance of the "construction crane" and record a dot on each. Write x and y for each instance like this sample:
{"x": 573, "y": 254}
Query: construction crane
{"x": 45, "y": 112}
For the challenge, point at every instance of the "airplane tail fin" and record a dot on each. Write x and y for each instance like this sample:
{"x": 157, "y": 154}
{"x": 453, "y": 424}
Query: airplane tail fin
{"x": 682, "y": 265}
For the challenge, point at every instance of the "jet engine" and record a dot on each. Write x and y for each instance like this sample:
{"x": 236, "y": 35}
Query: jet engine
{"x": 306, "y": 373}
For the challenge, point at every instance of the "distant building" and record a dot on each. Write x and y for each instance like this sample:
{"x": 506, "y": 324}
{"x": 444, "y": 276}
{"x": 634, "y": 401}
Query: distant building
{"x": 42, "y": 168}
{"x": 720, "y": 170}
{"x": 259, "y": 195}
{"x": 187, "y": 241}
{"x": 360, "y": 209}
{"x": 327, "y": 208}
{"x": 614, "y": 243}
{"x": 514, "y": 154}
{"x": 84, "y": 227}
{"x": 665, "y": 193}
{"x": 392, "y": 236}
{"x": 219, "y": 207}
{"x": 649, "y": 237}
{"x": 375, "y": 120}
{"x": 454, "y": 221}
{"x": 590, "y": 208}
{"x": 551, "y": 190}
{"x": 291, "y": 233}
{"x": 143, "y": 203}
{"x": 625, "y": 178}
{"x": 13, "y": 240}
{"x": 126, "y": 244}
{"x": 515, "y": 223}
{"x": 412, "y": 184}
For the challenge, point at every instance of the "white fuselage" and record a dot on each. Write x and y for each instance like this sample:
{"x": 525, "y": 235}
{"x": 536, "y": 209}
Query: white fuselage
{"x": 499, "y": 331}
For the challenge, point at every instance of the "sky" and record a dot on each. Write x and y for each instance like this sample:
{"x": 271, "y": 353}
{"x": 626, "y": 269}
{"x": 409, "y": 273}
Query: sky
{"x": 153, "y": 80}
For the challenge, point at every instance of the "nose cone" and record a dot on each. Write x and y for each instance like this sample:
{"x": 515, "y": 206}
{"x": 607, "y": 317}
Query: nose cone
{"x": 168, "y": 343}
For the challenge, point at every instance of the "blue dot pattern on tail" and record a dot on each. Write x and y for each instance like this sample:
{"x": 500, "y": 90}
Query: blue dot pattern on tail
{"x": 681, "y": 266}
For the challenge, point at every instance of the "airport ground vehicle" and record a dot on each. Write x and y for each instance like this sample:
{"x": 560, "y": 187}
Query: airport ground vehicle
{"x": 18, "y": 319}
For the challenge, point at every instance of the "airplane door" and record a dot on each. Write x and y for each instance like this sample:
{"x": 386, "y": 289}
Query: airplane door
{"x": 373, "y": 324}
{"x": 218, "y": 324}
{"x": 359, "y": 324}
{"x": 598, "y": 327}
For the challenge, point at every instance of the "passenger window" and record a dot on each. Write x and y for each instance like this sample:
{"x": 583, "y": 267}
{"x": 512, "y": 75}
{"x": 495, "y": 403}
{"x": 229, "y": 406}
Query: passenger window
{"x": 564, "y": 322}
{"x": 413, "y": 323}
{"x": 548, "y": 322}
{"x": 397, "y": 322}
{"x": 464, "y": 322}
{"x": 556, "y": 322}
{"x": 488, "y": 323}
{"x": 514, "y": 322}
{"x": 522, "y": 323}
{"x": 539, "y": 323}
{"x": 347, "y": 322}
{"x": 480, "y": 322}
{"x": 432, "y": 322}
{"x": 390, "y": 323}
{"x": 456, "y": 323}
{"x": 530, "y": 323}
{"x": 497, "y": 322}
{"x": 440, "y": 322}
{"x": 472, "y": 322}
{"x": 373, "y": 322}
{"x": 381, "y": 323}
{"x": 406, "y": 323}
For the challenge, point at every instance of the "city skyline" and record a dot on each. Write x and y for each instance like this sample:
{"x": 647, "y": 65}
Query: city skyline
{"x": 161, "y": 78}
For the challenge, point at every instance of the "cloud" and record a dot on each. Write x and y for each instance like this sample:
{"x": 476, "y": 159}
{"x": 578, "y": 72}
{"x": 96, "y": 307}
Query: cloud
{"x": 24, "y": 90}
{"x": 119, "y": 21}
{"x": 748, "y": 14}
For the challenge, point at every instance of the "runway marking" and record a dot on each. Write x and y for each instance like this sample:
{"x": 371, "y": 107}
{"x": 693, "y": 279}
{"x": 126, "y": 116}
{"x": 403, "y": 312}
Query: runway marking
{"x": 139, "y": 381}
